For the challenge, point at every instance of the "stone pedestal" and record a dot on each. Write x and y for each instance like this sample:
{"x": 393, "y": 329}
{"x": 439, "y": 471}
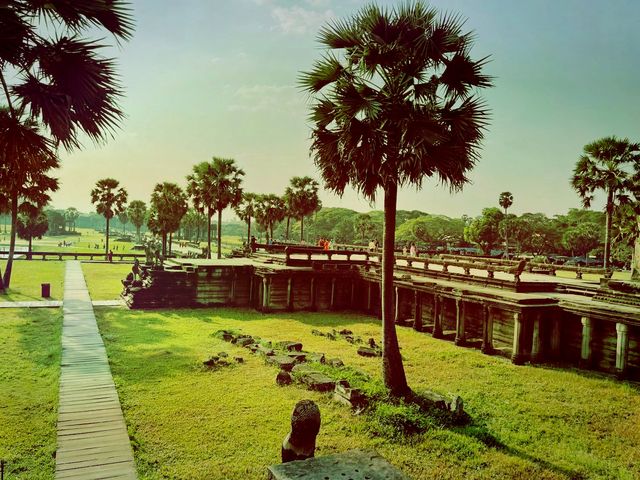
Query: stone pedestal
{"x": 585, "y": 351}
{"x": 622, "y": 349}
{"x": 517, "y": 356}
{"x": 437, "y": 317}
{"x": 460, "y": 339}
{"x": 487, "y": 330}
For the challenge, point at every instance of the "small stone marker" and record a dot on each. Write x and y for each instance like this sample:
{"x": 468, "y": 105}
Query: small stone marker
{"x": 352, "y": 397}
{"x": 283, "y": 378}
{"x": 317, "y": 381}
{"x": 291, "y": 346}
{"x": 300, "y": 442}
{"x": 243, "y": 341}
{"x": 335, "y": 362}
{"x": 354, "y": 464}
{"x": 284, "y": 362}
{"x": 369, "y": 352}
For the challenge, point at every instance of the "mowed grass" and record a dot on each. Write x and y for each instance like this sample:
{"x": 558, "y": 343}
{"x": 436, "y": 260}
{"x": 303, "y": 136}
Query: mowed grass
{"x": 27, "y": 277}
{"x": 104, "y": 280}
{"x": 189, "y": 422}
{"x": 29, "y": 371}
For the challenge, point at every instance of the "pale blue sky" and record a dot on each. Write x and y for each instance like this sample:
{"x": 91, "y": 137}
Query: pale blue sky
{"x": 218, "y": 77}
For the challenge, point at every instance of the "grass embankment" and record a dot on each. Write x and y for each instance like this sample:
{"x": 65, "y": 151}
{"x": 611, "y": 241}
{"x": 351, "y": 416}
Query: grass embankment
{"x": 27, "y": 276}
{"x": 188, "y": 422}
{"x": 104, "y": 280}
{"x": 29, "y": 371}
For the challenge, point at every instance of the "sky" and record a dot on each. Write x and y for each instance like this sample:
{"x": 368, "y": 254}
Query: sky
{"x": 207, "y": 78}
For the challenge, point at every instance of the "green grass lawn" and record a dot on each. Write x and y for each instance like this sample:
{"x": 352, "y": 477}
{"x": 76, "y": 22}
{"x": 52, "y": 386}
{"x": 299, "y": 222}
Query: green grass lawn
{"x": 27, "y": 276}
{"x": 188, "y": 422}
{"x": 29, "y": 371}
{"x": 617, "y": 275}
{"x": 104, "y": 279}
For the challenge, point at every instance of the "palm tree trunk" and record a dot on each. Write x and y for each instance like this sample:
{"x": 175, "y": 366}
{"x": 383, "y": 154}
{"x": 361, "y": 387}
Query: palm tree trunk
{"x": 607, "y": 233}
{"x": 106, "y": 243}
{"x": 286, "y": 236}
{"x": 138, "y": 233}
{"x": 170, "y": 242}
{"x": 164, "y": 244}
{"x": 506, "y": 235}
{"x": 12, "y": 239}
{"x": 249, "y": 230}
{"x": 392, "y": 368}
{"x": 219, "y": 233}
{"x": 635, "y": 259}
{"x": 301, "y": 229}
{"x": 30, "y": 240}
{"x": 209, "y": 234}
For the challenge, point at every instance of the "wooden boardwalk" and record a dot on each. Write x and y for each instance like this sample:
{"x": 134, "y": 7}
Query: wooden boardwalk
{"x": 92, "y": 436}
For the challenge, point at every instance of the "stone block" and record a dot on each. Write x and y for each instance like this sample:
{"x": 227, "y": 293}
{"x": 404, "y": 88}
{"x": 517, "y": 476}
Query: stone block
{"x": 282, "y": 361}
{"x": 291, "y": 346}
{"x": 283, "y": 378}
{"x": 335, "y": 362}
{"x": 369, "y": 352}
{"x": 317, "y": 381}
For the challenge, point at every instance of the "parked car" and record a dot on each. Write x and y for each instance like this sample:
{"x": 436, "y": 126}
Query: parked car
{"x": 584, "y": 262}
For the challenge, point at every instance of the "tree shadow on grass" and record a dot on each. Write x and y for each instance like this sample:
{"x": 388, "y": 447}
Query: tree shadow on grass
{"x": 480, "y": 433}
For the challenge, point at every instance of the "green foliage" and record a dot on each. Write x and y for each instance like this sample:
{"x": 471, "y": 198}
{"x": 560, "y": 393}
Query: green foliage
{"x": 582, "y": 238}
{"x": 32, "y": 224}
{"x": 270, "y": 209}
{"x": 484, "y": 230}
{"x": 168, "y": 206}
{"x": 432, "y": 230}
{"x": 108, "y": 198}
{"x": 137, "y": 213}
{"x": 56, "y": 221}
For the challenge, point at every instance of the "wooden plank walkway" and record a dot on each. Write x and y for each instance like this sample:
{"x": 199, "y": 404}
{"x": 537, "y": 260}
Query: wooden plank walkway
{"x": 92, "y": 436}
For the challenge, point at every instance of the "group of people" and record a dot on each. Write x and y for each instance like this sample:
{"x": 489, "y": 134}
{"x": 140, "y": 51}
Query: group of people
{"x": 411, "y": 249}
{"x": 325, "y": 243}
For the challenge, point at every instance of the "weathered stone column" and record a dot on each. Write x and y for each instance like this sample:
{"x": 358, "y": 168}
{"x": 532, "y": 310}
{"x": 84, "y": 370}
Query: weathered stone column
{"x": 417, "y": 311}
{"x": 369, "y": 295}
{"x": 622, "y": 349}
{"x": 537, "y": 355}
{"x": 290, "y": 293}
{"x": 312, "y": 294}
{"x": 332, "y": 304}
{"x": 460, "y": 339}
{"x": 487, "y": 330}
{"x": 517, "y": 356}
{"x": 437, "y": 316}
{"x": 266, "y": 293}
{"x": 556, "y": 338}
{"x": 585, "y": 351}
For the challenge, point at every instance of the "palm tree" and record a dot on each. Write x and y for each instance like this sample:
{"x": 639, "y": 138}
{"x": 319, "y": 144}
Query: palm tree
{"x": 364, "y": 226}
{"x": 168, "y": 206}
{"x": 59, "y": 78}
{"x": 605, "y": 165}
{"x": 270, "y": 210}
{"x": 27, "y": 157}
{"x": 109, "y": 201}
{"x": 506, "y": 200}
{"x": 123, "y": 218}
{"x": 137, "y": 212}
{"x": 396, "y": 104}
{"x": 213, "y": 187}
{"x": 71, "y": 214}
{"x": 246, "y": 210}
{"x": 303, "y": 193}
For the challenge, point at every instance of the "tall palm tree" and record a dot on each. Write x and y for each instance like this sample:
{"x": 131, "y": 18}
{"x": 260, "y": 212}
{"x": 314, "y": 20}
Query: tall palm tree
{"x": 55, "y": 76}
{"x": 214, "y": 186}
{"x": 246, "y": 210}
{"x": 304, "y": 200}
{"x": 137, "y": 212}
{"x": 168, "y": 206}
{"x": 26, "y": 157}
{"x": 395, "y": 104}
{"x": 109, "y": 201}
{"x": 270, "y": 210}
{"x": 71, "y": 214}
{"x": 605, "y": 165}
{"x": 506, "y": 200}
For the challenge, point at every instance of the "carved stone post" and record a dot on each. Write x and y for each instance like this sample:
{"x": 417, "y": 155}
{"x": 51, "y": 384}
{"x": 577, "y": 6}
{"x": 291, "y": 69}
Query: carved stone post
{"x": 517, "y": 356}
{"x": 585, "y": 351}
{"x": 460, "y": 339}
{"x": 622, "y": 349}
{"x": 312, "y": 294}
{"x": 536, "y": 344}
{"x": 332, "y": 304}
{"x": 556, "y": 337}
{"x": 417, "y": 317}
{"x": 290, "y": 293}
{"x": 266, "y": 293}
{"x": 487, "y": 330}
{"x": 437, "y": 316}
